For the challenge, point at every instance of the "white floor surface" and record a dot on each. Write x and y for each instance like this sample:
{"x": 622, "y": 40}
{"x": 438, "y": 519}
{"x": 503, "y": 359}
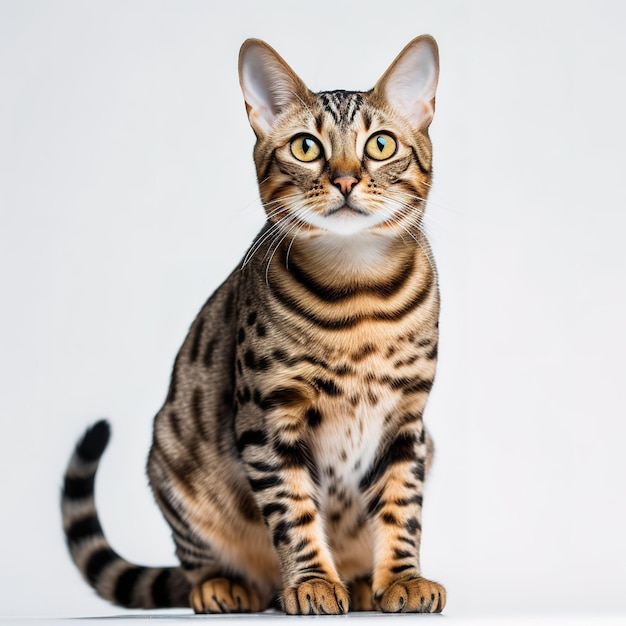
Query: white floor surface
{"x": 361, "y": 618}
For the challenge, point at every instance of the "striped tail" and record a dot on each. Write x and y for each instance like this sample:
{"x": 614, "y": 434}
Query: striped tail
{"x": 113, "y": 578}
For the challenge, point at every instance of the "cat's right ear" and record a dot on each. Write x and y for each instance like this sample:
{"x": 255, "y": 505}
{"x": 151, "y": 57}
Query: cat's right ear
{"x": 268, "y": 84}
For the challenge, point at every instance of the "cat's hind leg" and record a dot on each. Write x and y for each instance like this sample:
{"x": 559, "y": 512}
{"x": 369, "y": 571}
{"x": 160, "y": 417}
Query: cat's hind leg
{"x": 223, "y": 595}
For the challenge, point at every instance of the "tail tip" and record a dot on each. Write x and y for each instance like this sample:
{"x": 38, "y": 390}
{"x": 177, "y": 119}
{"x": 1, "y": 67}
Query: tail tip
{"x": 94, "y": 441}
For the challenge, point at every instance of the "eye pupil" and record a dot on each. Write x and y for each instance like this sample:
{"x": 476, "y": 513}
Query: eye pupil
{"x": 307, "y": 144}
{"x": 381, "y": 142}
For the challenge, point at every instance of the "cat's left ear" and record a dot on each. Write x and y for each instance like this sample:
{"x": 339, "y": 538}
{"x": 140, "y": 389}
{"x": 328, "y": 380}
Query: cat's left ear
{"x": 409, "y": 84}
{"x": 269, "y": 85}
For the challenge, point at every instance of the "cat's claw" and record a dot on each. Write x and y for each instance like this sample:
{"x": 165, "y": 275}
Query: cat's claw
{"x": 415, "y": 595}
{"x": 316, "y": 597}
{"x": 221, "y": 595}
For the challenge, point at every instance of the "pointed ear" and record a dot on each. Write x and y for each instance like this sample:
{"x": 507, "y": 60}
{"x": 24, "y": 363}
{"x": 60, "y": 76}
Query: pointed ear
{"x": 268, "y": 84}
{"x": 409, "y": 84}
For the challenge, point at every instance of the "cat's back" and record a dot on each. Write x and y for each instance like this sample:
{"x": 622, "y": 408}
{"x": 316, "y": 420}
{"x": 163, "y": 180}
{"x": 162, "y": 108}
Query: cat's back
{"x": 185, "y": 443}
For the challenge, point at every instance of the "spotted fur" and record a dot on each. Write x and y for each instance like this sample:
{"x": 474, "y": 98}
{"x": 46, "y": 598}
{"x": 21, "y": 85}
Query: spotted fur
{"x": 290, "y": 454}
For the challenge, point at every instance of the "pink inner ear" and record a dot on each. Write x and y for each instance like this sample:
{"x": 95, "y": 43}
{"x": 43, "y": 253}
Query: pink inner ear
{"x": 254, "y": 84}
{"x": 424, "y": 113}
{"x": 411, "y": 82}
{"x": 268, "y": 85}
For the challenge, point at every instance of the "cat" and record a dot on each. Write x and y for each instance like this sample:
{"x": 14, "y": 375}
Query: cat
{"x": 289, "y": 456}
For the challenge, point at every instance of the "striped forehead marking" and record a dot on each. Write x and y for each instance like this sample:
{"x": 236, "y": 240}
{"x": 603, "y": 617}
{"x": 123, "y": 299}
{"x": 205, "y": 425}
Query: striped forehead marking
{"x": 341, "y": 105}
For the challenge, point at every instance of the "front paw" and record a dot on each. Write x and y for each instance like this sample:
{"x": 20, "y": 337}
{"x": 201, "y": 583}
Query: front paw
{"x": 316, "y": 597}
{"x": 415, "y": 595}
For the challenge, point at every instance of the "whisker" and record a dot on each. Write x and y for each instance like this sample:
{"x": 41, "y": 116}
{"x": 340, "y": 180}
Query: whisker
{"x": 284, "y": 204}
{"x": 294, "y": 211}
{"x": 255, "y": 200}
{"x": 414, "y": 221}
{"x": 288, "y": 196}
{"x": 269, "y": 262}
{"x": 430, "y": 201}
{"x": 402, "y": 215}
{"x": 289, "y": 217}
{"x": 422, "y": 215}
{"x": 258, "y": 243}
{"x": 291, "y": 243}
{"x": 280, "y": 204}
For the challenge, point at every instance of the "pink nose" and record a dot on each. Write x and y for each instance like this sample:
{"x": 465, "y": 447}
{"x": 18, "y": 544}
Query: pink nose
{"x": 345, "y": 184}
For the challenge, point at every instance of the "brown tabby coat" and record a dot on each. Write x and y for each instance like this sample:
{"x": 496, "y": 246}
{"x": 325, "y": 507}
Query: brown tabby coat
{"x": 290, "y": 454}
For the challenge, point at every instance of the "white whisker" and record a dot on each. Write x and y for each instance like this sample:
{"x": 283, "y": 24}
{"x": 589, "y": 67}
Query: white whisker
{"x": 258, "y": 243}
{"x": 291, "y": 243}
{"x": 410, "y": 208}
{"x": 406, "y": 214}
{"x": 287, "y": 231}
{"x": 431, "y": 202}
{"x": 285, "y": 204}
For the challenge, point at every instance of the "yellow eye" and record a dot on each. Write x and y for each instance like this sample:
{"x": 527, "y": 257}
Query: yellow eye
{"x": 380, "y": 146}
{"x": 305, "y": 148}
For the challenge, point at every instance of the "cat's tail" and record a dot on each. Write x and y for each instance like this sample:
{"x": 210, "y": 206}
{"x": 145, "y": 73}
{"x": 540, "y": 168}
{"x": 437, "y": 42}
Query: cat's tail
{"x": 113, "y": 578}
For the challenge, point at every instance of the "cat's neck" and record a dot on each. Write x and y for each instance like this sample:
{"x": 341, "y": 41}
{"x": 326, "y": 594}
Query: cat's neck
{"x": 363, "y": 258}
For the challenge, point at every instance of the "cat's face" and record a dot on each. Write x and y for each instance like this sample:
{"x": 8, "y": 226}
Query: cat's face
{"x": 342, "y": 162}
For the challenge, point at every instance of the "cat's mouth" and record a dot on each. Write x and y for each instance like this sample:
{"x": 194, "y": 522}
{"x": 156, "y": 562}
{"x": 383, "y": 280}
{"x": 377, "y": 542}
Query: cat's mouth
{"x": 345, "y": 219}
{"x": 346, "y": 210}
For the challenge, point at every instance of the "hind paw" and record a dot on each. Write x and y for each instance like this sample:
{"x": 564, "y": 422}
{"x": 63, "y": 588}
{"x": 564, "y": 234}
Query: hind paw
{"x": 221, "y": 595}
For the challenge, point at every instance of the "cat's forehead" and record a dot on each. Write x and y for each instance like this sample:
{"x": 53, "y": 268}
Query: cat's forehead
{"x": 340, "y": 105}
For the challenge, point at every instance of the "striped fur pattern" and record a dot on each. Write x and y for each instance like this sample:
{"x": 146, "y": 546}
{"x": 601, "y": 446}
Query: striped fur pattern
{"x": 125, "y": 584}
{"x": 289, "y": 457}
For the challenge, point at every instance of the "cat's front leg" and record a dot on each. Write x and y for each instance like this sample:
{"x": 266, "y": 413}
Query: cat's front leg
{"x": 394, "y": 486}
{"x": 284, "y": 480}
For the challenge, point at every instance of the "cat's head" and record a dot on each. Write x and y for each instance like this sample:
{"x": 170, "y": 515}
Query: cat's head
{"x": 342, "y": 161}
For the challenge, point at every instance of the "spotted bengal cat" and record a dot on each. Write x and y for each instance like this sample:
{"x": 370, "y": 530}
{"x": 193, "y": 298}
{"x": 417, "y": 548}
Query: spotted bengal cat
{"x": 290, "y": 454}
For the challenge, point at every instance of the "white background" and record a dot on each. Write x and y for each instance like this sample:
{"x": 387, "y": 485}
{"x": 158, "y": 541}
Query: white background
{"x": 127, "y": 194}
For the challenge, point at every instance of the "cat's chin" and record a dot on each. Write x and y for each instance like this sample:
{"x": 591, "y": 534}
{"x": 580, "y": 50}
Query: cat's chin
{"x": 345, "y": 221}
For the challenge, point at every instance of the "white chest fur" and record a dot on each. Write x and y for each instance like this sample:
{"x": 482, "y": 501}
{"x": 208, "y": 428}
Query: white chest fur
{"x": 346, "y": 441}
